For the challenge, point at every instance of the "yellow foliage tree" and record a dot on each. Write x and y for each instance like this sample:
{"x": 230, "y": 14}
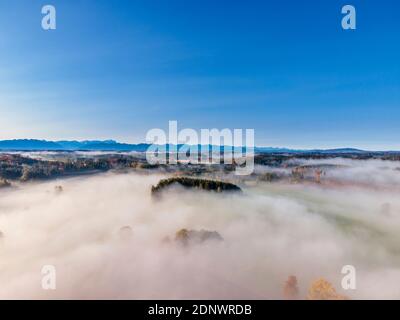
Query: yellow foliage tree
{"x": 323, "y": 290}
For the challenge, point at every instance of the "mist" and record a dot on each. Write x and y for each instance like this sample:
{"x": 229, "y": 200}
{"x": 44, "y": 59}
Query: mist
{"x": 271, "y": 231}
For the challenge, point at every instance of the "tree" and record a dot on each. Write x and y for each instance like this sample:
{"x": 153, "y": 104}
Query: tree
{"x": 323, "y": 290}
{"x": 291, "y": 290}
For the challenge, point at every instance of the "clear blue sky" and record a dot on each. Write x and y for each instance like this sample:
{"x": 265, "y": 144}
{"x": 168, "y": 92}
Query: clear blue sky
{"x": 115, "y": 69}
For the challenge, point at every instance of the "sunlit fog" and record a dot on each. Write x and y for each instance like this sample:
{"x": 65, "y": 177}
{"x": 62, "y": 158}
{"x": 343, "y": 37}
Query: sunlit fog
{"x": 107, "y": 237}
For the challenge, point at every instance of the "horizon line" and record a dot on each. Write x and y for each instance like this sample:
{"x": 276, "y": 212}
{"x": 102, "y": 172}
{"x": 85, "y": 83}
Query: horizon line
{"x": 146, "y": 143}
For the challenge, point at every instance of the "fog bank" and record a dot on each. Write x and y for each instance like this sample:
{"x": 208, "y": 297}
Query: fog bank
{"x": 270, "y": 232}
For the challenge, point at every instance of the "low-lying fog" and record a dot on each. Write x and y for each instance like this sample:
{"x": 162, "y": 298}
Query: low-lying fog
{"x": 271, "y": 231}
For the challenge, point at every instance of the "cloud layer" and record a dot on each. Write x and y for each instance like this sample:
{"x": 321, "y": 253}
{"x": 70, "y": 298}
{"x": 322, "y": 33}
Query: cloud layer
{"x": 270, "y": 232}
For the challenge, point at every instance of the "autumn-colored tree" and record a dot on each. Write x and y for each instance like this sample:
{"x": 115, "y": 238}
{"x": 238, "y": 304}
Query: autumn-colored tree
{"x": 323, "y": 290}
{"x": 4, "y": 183}
{"x": 182, "y": 236}
{"x": 291, "y": 290}
{"x": 318, "y": 173}
{"x": 186, "y": 237}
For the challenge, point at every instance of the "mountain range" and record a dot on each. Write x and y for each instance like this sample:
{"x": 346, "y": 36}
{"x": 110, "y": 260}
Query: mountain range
{"x": 112, "y": 145}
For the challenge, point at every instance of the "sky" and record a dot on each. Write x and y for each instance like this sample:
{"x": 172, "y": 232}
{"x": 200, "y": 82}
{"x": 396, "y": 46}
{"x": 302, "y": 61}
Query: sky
{"x": 287, "y": 69}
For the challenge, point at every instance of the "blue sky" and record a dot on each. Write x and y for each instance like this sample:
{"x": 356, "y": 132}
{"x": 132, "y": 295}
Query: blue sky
{"x": 116, "y": 69}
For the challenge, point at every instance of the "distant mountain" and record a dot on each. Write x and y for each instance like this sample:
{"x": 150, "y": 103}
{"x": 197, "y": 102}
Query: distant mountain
{"x": 340, "y": 150}
{"x": 25, "y": 144}
{"x": 73, "y": 145}
{"x": 111, "y": 145}
{"x": 43, "y": 145}
{"x": 286, "y": 150}
{"x": 276, "y": 150}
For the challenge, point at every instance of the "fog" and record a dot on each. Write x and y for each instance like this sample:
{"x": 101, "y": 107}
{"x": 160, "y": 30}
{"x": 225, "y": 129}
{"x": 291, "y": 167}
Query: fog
{"x": 271, "y": 231}
{"x": 372, "y": 172}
